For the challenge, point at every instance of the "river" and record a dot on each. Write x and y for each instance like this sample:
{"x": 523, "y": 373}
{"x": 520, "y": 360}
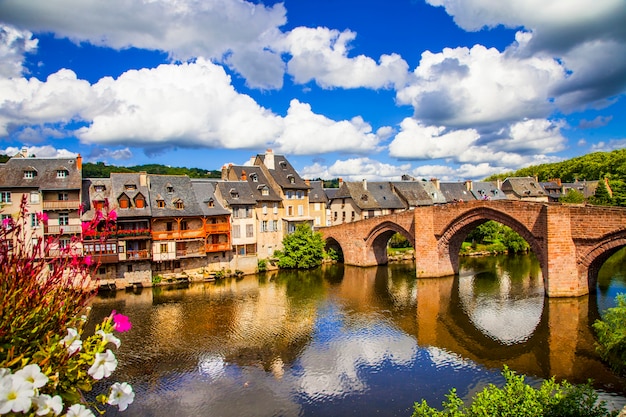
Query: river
{"x": 347, "y": 341}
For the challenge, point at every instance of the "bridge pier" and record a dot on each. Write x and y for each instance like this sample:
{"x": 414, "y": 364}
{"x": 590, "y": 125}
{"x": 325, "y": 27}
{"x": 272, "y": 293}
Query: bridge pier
{"x": 428, "y": 261}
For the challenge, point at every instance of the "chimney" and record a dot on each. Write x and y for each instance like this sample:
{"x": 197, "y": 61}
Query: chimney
{"x": 79, "y": 162}
{"x": 435, "y": 181}
{"x": 143, "y": 178}
{"x": 269, "y": 159}
{"x": 340, "y": 182}
{"x": 364, "y": 184}
{"x": 244, "y": 177}
{"x": 225, "y": 171}
{"x": 307, "y": 182}
{"x": 468, "y": 185}
{"x": 24, "y": 152}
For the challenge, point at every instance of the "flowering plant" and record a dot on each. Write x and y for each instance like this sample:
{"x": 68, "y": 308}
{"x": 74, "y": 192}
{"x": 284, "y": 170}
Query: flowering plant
{"x": 45, "y": 366}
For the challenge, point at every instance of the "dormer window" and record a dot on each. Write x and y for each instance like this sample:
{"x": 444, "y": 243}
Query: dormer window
{"x": 30, "y": 174}
{"x": 123, "y": 201}
{"x": 130, "y": 187}
{"x": 234, "y": 193}
{"x": 98, "y": 204}
{"x": 62, "y": 173}
{"x": 283, "y": 164}
{"x": 99, "y": 188}
{"x": 265, "y": 191}
{"x": 179, "y": 204}
{"x": 140, "y": 201}
{"x": 364, "y": 197}
{"x": 169, "y": 188}
{"x": 210, "y": 203}
{"x": 291, "y": 179}
{"x": 254, "y": 177}
{"x": 161, "y": 203}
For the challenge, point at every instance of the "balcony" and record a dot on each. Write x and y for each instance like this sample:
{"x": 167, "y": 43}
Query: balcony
{"x": 68, "y": 229}
{"x": 134, "y": 233}
{"x": 137, "y": 255}
{"x": 213, "y": 228}
{"x": 179, "y": 234}
{"x": 217, "y": 247}
{"x": 61, "y": 204}
{"x": 104, "y": 258}
{"x": 189, "y": 253}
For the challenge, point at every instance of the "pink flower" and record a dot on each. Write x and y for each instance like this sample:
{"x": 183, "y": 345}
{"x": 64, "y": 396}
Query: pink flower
{"x": 42, "y": 217}
{"x": 112, "y": 215}
{"x": 88, "y": 260}
{"x": 121, "y": 322}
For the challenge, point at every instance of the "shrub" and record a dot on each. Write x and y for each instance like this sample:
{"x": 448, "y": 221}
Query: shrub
{"x": 611, "y": 332}
{"x": 45, "y": 367}
{"x": 519, "y": 399}
{"x": 262, "y": 265}
{"x": 302, "y": 249}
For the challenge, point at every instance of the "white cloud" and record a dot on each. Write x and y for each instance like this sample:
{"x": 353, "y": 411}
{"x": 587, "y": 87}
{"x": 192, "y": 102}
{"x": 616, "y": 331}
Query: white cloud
{"x": 308, "y": 133}
{"x": 321, "y": 54}
{"x": 356, "y": 169}
{"x": 609, "y": 146}
{"x": 14, "y": 44}
{"x": 47, "y": 151}
{"x": 464, "y": 87}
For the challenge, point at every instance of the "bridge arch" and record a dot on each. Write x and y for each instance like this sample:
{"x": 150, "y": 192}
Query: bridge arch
{"x": 378, "y": 237}
{"x": 449, "y": 244}
{"x": 590, "y": 263}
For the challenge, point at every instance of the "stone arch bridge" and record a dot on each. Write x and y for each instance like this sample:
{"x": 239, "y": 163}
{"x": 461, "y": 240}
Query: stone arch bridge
{"x": 571, "y": 242}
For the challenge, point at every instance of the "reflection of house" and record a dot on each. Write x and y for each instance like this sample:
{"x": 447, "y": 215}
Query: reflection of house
{"x": 50, "y": 185}
{"x": 524, "y": 188}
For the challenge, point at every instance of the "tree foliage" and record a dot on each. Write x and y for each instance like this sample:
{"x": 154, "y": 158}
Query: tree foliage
{"x": 611, "y": 331}
{"x": 573, "y": 197}
{"x": 516, "y": 398}
{"x": 101, "y": 170}
{"x": 302, "y": 249}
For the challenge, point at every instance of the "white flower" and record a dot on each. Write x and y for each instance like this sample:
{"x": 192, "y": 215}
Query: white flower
{"x": 15, "y": 395}
{"x": 79, "y": 410}
{"x": 72, "y": 341}
{"x": 109, "y": 338}
{"x": 121, "y": 395}
{"x": 47, "y": 404}
{"x": 32, "y": 376}
{"x": 104, "y": 364}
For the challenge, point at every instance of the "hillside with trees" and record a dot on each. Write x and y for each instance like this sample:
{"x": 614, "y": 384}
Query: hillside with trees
{"x": 101, "y": 170}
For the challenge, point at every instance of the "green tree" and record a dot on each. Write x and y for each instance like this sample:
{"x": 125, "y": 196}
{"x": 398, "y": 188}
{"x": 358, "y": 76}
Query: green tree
{"x": 513, "y": 241}
{"x": 487, "y": 232}
{"x": 601, "y": 196}
{"x": 519, "y": 399}
{"x": 573, "y": 197}
{"x": 611, "y": 331}
{"x": 302, "y": 249}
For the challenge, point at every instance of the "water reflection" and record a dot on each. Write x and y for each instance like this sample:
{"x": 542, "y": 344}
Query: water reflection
{"x": 347, "y": 341}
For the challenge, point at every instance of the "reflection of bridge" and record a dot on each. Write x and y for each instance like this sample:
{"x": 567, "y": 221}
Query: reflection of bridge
{"x": 570, "y": 242}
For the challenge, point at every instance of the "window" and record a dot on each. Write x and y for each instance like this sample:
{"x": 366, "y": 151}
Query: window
{"x": 291, "y": 179}
{"x": 289, "y": 195}
{"x": 318, "y": 221}
{"x": 249, "y": 230}
{"x": 124, "y": 201}
{"x": 236, "y": 233}
{"x": 179, "y": 205}
{"x": 34, "y": 197}
{"x": 64, "y": 243}
{"x": 5, "y": 196}
{"x": 163, "y": 247}
{"x": 129, "y": 268}
{"x": 102, "y": 270}
{"x": 130, "y": 187}
{"x": 254, "y": 178}
{"x": 34, "y": 221}
{"x": 289, "y": 210}
{"x": 316, "y": 206}
{"x": 248, "y": 212}
{"x": 299, "y": 195}
{"x": 264, "y": 226}
{"x": 275, "y": 208}
{"x": 210, "y": 203}
{"x": 99, "y": 188}
{"x": 274, "y": 225}
{"x": 264, "y": 208}
{"x": 29, "y": 175}
{"x": 140, "y": 201}
{"x": 169, "y": 189}
{"x": 168, "y": 226}
{"x": 265, "y": 191}
{"x": 61, "y": 173}
{"x": 63, "y": 196}
{"x": 236, "y": 212}
{"x": 184, "y": 225}
{"x": 283, "y": 164}
{"x": 64, "y": 219}
{"x": 300, "y": 210}
{"x": 161, "y": 203}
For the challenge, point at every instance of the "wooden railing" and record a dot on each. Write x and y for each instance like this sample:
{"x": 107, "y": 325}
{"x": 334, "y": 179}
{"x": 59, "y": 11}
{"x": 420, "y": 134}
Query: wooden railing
{"x": 66, "y": 229}
{"x": 186, "y": 253}
{"x": 217, "y": 247}
{"x": 217, "y": 227}
{"x": 137, "y": 254}
{"x": 61, "y": 204}
{"x": 104, "y": 258}
{"x": 178, "y": 234}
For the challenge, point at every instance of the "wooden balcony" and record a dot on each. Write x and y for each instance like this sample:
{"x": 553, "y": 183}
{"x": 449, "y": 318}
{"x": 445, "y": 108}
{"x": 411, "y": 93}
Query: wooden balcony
{"x": 103, "y": 258}
{"x": 216, "y": 228}
{"x": 137, "y": 255}
{"x": 61, "y": 204}
{"x": 217, "y": 247}
{"x": 133, "y": 234}
{"x": 190, "y": 253}
{"x": 179, "y": 234}
{"x": 68, "y": 229}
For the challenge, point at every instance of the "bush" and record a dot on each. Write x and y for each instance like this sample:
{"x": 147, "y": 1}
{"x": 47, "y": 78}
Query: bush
{"x": 302, "y": 249}
{"x": 611, "y": 332}
{"x": 519, "y": 399}
{"x": 262, "y": 265}
{"x": 45, "y": 367}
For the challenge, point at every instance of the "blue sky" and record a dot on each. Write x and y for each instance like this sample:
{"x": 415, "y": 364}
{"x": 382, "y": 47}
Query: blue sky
{"x": 454, "y": 89}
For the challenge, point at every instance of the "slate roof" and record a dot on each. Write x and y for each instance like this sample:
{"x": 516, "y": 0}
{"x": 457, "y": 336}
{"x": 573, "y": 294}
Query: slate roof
{"x": 130, "y": 184}
{"x": 261, "y": 182}
{"x": 413, "y": 193}
{"x": 170, "y": 189}
{"x": 523, "y": 187}
{"x": 237, "y": 193}
{"x": 487, "y": 190}
{"x": 282, "y": 172}
{"x": 455, "y": 192}
{"x": 316, "y": 193}
{"x": 331, "y": 193}
{"x": 46, "y": 179}
{"x": 587, "y": 188}
{"x": 205, "y": 193}
{"x": 434, "y": 192}
{"x": 370, "y": 195}
{"x": 89, "y": 194}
